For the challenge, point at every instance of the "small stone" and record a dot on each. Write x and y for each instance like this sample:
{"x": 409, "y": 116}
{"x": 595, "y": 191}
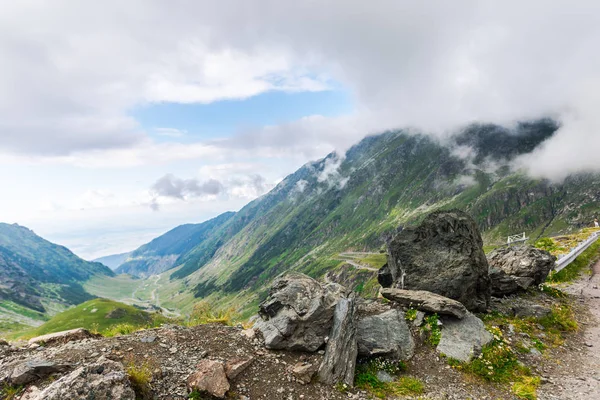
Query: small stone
{"x": 304, "y": 372}
{"x": 236, "y": 366}
{"x": 383, "y": 376}
{"x": 209, "y": 377}
{"x": 148, "y": 339}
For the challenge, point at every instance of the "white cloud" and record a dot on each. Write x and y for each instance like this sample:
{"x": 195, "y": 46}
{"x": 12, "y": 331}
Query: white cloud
{"x": 171, "y": 132}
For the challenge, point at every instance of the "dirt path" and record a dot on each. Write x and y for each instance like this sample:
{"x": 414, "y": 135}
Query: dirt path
{"x": 582, "y": 382}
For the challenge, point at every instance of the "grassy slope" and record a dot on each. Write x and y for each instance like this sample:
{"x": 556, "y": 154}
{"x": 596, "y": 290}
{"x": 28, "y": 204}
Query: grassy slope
{"x": 82, "y": 316}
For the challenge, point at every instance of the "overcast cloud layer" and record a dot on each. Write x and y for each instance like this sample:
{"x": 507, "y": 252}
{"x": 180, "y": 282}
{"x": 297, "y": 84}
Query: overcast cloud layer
{"x": 72, "y": 71}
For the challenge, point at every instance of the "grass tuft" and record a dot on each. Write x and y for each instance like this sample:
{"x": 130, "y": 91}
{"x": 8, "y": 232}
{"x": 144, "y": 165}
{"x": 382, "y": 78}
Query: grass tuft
{"x": 9, "y": 392}
{"x": 204, "y": 313}
{"x": 526, "y": 388}
{"x": 140, "y": 376}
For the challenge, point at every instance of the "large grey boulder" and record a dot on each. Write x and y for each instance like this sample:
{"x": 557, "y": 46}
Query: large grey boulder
{"x": 425, "y": 301}
{"x": 463, "y": 339}
{"x": 103, "y": 380}
{"x": 517, "y": 268}
{"x": 298, "y": 313}
{"x": 502, "y": 283}
{"x": 339, "y": 362}
{"x": 385, "y": 334}
{"x": 443, "y": 255}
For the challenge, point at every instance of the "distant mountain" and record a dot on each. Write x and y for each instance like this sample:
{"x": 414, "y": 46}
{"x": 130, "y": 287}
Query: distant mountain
{"x": 113, "y": 261}
{"x": 37, "y": 274}
{"x": 356, "y": 201}
{"x": 164, "y": 252}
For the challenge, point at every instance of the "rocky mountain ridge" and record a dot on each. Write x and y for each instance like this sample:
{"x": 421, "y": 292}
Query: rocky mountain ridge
{"x": 38, "y": 277}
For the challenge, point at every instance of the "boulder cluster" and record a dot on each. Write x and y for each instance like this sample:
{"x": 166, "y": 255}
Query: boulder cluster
{"x": 438, "y": 268}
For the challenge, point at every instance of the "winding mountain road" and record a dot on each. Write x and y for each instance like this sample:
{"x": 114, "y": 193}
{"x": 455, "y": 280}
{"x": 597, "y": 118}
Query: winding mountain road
{"x": 350, "y": 256}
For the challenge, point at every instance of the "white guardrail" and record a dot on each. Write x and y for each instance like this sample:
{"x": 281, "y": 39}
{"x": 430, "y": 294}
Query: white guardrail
{"x": 568, "y": 258}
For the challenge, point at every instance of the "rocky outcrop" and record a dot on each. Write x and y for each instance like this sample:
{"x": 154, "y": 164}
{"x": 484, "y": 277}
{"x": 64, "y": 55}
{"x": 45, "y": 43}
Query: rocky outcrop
{"x": 463, "y": 339}
{"x": 298, "y": 313}
{"x": 385, "y": 334}
{"x": 104, "y": 380}
{"x": 340, "y": 355}
{"x": 210, "y": 378}
{"x": 63, "y": 337}
{"x": 443, "y": 255}
{"x": 517, "y": 268}
{"x": 425, "y": 301}
{"x": 22, "y": 373}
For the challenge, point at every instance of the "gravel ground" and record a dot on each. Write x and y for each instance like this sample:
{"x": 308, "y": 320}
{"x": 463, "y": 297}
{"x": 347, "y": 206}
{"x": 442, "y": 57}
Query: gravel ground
{"x": 579, "y": 379}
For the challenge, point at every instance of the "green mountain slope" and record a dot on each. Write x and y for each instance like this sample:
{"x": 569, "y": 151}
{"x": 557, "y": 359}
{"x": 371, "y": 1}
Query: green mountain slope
{"x": 163, "y": 252}
{"x": 38, "y": 277}
{"x": 355, "y": 202}
{"x": 96, "y": 314}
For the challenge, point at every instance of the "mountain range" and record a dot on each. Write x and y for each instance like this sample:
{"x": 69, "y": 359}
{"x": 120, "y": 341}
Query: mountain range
{"x": 38, "y": 277}
{"x": 352, "y": 202}
{"x": 355, "y": 201}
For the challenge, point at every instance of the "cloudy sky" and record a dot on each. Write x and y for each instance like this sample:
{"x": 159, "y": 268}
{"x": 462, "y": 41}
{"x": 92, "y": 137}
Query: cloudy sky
{"x": 122, "y": 119}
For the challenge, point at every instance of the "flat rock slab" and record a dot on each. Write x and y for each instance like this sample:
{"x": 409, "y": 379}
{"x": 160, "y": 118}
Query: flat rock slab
{"x": 463, "y": 339}
{"x": 425, "y": 301}
{"x": 103, "y": 380}
{"x": 63, "y": 337}
{"x": 22, "y": 373}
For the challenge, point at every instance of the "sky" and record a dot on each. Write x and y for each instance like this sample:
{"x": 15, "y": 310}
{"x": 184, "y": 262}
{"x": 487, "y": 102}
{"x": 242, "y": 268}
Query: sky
{"x": 120, "y": 120}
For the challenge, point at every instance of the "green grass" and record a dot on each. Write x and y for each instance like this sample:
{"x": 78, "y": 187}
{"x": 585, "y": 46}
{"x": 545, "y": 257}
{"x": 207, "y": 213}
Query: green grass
{"x": 573, "y": 270}
{"x": 433, "y": 329}
{"x": 9, "y": 392}
{"x": 21, "y": 310}
{"x": 366, "y": 379}
{"x": 119, "y": 287}
{"x": 374, "y": 260}
{"x": 109, "y": 314}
